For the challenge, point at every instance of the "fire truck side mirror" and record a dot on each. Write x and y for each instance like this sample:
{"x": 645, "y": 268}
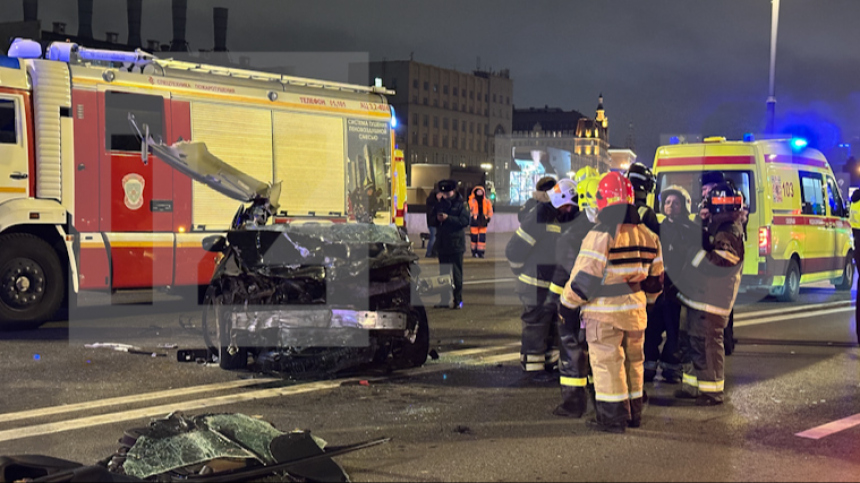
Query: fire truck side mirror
{"x": 214, "y": 243}
{"x": 144, "y": 145}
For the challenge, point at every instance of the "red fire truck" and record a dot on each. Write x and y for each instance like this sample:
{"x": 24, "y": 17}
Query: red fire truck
{"x": 79, "y": 210}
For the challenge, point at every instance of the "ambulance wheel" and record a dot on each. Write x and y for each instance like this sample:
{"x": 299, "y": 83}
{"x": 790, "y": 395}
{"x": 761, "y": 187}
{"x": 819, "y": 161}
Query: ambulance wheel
{"x": 791, "y": 286}
{"x": 32, "y": 282}
{"x": 847, "y": 274}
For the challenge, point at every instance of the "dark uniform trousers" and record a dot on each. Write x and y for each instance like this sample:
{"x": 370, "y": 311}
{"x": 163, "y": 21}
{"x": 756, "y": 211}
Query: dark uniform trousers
{"x": 576, "y": 381}
{"x": 703, "y": 369}
{"x": 452, "y": 264}
{"x": 664, "y": 316}
{"x": 539, "y": 349}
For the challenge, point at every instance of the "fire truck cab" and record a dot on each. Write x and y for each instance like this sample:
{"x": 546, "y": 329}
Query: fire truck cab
{"x": 80, "y": 210}
{"x": 798, "y": 230}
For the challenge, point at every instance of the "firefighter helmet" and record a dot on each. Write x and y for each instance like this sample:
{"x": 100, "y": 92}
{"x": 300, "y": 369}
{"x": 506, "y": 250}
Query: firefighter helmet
{"x": 583, "y": 173}
{"x": 679, "y": 191}
{"x": 614, "y": 189}
{"x": 563, "y": 193}
{"x": 724, "y": 198}
{"x": 641, "y": 177}
{"x": 586, "y": 190}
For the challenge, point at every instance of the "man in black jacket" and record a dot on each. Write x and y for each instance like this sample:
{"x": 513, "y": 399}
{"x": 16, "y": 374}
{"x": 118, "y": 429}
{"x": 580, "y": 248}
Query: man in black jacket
{"x": 539, "y": 195}
{"x": 452, "y": 216}
{"x": 432, "y": 224}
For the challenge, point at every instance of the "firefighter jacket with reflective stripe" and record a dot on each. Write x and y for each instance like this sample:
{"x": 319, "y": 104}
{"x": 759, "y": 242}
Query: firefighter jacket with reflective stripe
{"x": 531, "y": 251}
{"x": 618, "y": 272}
{"x": 711, "y": 274}
{"x": 855, "y": 215}
{"x": 567, "y": 249}
{"x": 648, "y": 217}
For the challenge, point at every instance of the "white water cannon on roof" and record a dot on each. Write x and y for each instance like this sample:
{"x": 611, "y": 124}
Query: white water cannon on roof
{"x": 72, "y": 52}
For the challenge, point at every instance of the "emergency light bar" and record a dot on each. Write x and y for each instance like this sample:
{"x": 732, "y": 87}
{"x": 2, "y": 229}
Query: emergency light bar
{"x": 62, "y": 51}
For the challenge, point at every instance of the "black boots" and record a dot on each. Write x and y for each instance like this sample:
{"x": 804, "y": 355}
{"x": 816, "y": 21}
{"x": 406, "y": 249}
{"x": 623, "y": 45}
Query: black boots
{"x": 636, "y": 407}
{"x": 574, "y": 402}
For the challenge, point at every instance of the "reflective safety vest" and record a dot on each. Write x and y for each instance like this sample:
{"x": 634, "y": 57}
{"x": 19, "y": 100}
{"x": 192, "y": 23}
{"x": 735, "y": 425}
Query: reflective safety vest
{"x": 855, "y": 215}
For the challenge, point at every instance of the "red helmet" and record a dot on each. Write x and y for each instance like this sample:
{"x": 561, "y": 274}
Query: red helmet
{"x": 614, "y": 189}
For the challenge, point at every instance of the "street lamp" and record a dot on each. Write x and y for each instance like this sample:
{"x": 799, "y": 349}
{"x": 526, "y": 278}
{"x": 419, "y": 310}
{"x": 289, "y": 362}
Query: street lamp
{"x": 771, "y": 99}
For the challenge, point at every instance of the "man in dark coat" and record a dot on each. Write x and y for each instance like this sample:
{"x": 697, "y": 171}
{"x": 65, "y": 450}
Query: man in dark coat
{"x": 452, "y": 216}
{"x": 432, "y": 224}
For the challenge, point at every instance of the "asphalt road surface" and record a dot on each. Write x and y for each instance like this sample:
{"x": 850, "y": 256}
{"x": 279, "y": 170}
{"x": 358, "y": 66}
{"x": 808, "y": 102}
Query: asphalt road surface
{"x": 791, "y": 412}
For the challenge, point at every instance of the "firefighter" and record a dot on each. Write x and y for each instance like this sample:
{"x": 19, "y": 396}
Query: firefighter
{"x": 677, "y": 233}
{"x": 643, "y": 182}
{"x": 708, "y": 285}
{"x": 573, "y": 357}
{"x": 453, "y": 217}
{"x": 618, "y": 273}
{"x": 539, "y": 195}
{"x": 855, "y": 229}
{"x": 531, "y": 253}
{"x": 481, "y": 211}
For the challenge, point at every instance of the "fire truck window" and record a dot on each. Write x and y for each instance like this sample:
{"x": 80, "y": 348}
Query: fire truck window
{"x": 8, "y": 134}
{"x": 148, "y": 110}
{"x": 812, "y": 192}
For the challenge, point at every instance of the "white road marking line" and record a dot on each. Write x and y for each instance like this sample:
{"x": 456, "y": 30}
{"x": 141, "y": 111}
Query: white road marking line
{"x": 488, "y": 281}
{"x": 790, "y": 309}
{"x": 68, "y": 408}
{"x": 478, "y": 350}
{"x": 780, "y": 318}
{"x": 819, "y": 432}
{"x": 513, "y": 356}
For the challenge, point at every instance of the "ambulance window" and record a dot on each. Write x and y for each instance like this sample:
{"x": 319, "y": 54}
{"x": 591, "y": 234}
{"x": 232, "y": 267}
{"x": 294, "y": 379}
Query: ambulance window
{"x": 8, "y": 134}
{"x": 812, "y": 191}
{"x": 834, "y": 199}
{"x": 148, "y": 110}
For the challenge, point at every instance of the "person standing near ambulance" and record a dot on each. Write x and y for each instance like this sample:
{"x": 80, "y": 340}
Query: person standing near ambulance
{"x": 618, "y": 273}
{"x": 481, "y": 211}
{"x": 573, "y": 365}
{"x": 531, "y": 254}
{"x": 453, "y": 217}
{"x": 708, "y": 285}
{"x": 854, "y": 218}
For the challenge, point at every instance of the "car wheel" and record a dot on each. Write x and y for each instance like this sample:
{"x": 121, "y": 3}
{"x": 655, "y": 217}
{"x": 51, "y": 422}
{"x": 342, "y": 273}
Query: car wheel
{"x": 847, "y": 274}
{"x": 791, "y": 286}
{"x": 32, "y": 281}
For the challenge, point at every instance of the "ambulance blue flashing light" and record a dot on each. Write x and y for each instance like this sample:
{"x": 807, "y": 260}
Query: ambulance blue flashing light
{"x": 798, "y": 143}
{"x": 674, "y": 140}
{"x": 748, "y": 137}
{"x": 393, "y": 117}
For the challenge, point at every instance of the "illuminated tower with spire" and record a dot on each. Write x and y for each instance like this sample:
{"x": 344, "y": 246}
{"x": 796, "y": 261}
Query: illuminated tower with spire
{"x": 600, "y": 115}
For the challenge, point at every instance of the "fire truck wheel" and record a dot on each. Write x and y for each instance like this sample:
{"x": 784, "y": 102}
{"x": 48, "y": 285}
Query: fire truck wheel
{"x": 31, "y": 281}
{"x": 791, "y": 287}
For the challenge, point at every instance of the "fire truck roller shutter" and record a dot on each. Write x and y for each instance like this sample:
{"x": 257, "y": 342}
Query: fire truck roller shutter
{"x": 52, "y": 84}
{"x": 309, "y": 160}
{"x": 242, "y": 137}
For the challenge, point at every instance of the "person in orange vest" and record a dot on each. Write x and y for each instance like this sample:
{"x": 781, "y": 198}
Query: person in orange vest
{"x": 481, "y": 212}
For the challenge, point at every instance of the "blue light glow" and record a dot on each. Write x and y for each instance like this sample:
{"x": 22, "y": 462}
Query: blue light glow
{"x": 36, "y": 357}
{"x": 393, "y": 118}
{"x": 748, "y": 137}
{"x": 799, "y": 143}
{"x": 674, "y": 140}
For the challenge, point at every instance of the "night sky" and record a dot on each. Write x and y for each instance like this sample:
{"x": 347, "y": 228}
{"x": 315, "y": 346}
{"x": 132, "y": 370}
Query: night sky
{"x": 669, "y": 67}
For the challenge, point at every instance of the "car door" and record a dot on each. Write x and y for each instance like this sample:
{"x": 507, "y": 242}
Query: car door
{"x": 14, "y": 148}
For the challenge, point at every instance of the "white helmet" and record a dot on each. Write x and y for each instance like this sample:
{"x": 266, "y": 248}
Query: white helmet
{"x": 676, "y": 190}
{"x": 563, "y": 193}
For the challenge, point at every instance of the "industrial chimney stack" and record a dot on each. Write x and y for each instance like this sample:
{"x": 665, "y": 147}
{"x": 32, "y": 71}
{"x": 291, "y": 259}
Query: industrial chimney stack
{"x": 85, "y": 19}
{"x": 178, "y": 44}
{"x": 133, "y": 8}
{"x": 31, "y": 10}
{"x": 219, "y": 16}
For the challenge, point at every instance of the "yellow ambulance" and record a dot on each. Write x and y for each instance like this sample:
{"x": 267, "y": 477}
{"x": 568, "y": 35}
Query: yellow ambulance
{"x": 798, "y": 230}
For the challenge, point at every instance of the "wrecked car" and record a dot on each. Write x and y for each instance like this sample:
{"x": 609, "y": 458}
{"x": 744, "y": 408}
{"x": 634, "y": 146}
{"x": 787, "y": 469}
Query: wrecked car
{"x": 303, "y": 300}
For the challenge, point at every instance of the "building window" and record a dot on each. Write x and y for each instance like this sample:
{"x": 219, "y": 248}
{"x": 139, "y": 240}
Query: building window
{"x": 435, "y": 140}
{"x": 455, "y": 124}
{"x": 454, "y": 143}
{"x": 444, "y": 89}
{"x": 426, "y": 85}
{"x": 415, "y": 136}
{"x": 415, "y": 83}
{"x": 464, "y": 93}
{"x": 146, "y": 109}
{"x": 494, "y": 98}
{"x": 508, "y": 101}
{"x": 8, "y": 123}
{"x": 425, "y": 101}
{"x": 463, "y": 143}
{"x": 464, "y": 126}
{"x": 435, "y": 87}
{"x": 444, "y": 141}
{"x": 471, "y": 94}
{"x": 414, "y": 119}
{"x": 486, "y": 98}
{"x": 486, "y": 112}
{"x": 426, "y": 120}
{"x": 444, "y": 104}
{"x": 435, "y": 102}
{"x": 456, "y": 91}
{"x": 424, "y": 139}
{"x": 435, "y": 121}
{"x": 463, "y": 107}
{"x": 454, "y": 106}
{"x": 444, "y": 123}
{"x": 415, "y": 98}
